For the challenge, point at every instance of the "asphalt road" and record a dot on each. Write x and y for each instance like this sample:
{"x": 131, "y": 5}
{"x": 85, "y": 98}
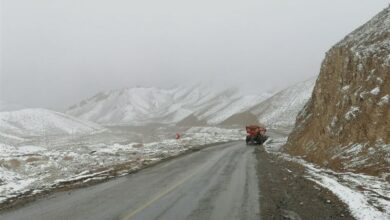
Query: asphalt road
{"x": 218, "y": 182}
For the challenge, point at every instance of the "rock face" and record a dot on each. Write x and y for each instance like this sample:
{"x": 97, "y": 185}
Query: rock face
{"x": 241, "y": 119}
{"x": 346, "y": 123}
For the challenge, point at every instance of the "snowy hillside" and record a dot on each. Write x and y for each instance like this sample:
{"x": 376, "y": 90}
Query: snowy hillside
{"x": 38, "y": 122}
{"x": 140, "y": 105}
{"x": 282, "y": 108}
{"x": 8, "y": 138}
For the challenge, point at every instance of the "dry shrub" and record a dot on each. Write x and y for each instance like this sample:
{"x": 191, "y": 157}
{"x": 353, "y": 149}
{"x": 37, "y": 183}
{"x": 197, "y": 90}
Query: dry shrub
{"x": 32, "y": 159}
{"x": 68, "y": 158}
{"x": 138, "y": 145}
{"x": 13, "y": 164}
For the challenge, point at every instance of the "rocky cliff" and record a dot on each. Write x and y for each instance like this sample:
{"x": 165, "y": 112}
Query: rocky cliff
{"x": 346, "y": 123}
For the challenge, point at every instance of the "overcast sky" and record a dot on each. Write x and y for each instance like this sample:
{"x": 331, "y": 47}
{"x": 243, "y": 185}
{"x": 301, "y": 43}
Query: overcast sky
{"x": 56, "y": 52}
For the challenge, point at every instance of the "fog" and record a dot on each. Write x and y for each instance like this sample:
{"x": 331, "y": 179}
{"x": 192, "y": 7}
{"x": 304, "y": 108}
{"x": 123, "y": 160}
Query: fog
{"x": 55, "y": 53}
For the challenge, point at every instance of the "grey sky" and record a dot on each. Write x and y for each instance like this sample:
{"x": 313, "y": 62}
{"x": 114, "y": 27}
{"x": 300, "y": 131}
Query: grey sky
{"x": 56, "y": 52}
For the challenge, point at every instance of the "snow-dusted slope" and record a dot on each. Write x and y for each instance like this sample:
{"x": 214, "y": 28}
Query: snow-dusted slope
{"x": 8, "y": 138}
{"x": 38, "y": 122}
{"x": 140, "y": 105}
{"x": 282, "y": 108}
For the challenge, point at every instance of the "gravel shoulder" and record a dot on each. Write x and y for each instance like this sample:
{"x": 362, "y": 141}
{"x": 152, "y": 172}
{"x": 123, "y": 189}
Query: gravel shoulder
{"x": 285, "y": 193}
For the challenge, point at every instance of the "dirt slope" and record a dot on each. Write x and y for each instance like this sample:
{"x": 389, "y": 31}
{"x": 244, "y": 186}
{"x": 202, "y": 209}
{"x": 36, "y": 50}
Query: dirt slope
{"x": 241, "y": 119}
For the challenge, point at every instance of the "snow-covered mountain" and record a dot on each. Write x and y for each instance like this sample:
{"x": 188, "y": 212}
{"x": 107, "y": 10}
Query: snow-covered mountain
{"x": 141, "y": 105}
{"x": 282, "y": 108}
{"x": 279, "y": 110}
{"x": 37, "y": 122}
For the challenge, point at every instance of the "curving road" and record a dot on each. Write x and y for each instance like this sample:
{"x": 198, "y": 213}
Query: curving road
{"x": 218, "y": 182}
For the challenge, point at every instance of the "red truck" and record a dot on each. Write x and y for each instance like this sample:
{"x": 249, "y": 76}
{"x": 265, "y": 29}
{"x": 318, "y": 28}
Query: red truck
{"x": 255, "y": 134}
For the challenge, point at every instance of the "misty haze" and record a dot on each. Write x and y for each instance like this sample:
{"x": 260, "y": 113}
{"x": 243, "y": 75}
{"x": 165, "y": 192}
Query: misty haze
{"x": 194, "y": 109}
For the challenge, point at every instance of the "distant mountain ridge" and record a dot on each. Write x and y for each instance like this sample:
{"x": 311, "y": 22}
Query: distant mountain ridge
{"x": 282, "y": 108}
{"x": 142, "y": 105}
{"x": 279, "y": 110}
{"x": 39, "y": 122}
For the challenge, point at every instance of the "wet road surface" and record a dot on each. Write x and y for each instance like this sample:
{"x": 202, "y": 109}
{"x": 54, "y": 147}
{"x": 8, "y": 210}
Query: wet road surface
{"x": 218, "y": 182}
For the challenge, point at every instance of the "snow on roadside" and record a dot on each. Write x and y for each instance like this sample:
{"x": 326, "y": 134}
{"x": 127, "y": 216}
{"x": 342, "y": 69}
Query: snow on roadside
{"x": 367, "y": 197}
{"x": 359, "y": 203}
{"x": 11, "y": 184}
{"x": 32, "y": 169}
{"x": 205, "y": 135}
{"x": 30, "y": 149}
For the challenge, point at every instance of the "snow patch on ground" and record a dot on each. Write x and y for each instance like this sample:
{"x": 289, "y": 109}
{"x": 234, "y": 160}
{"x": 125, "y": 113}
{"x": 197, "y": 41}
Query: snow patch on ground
{"x": 375, "y": 91}
{"x": 346, "y": 88}
{"x": 360, "y": 205}
{"x": 32, "y": 169}
{"x": 384, "y": 100}
{"x": 367, "y": 197}
{"x": 352, "y": 113}
{"x": 30, "y": 149}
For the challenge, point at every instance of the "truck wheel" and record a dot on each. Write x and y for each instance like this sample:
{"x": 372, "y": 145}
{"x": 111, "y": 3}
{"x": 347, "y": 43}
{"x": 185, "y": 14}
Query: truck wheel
{"x": 247, "y": 140}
